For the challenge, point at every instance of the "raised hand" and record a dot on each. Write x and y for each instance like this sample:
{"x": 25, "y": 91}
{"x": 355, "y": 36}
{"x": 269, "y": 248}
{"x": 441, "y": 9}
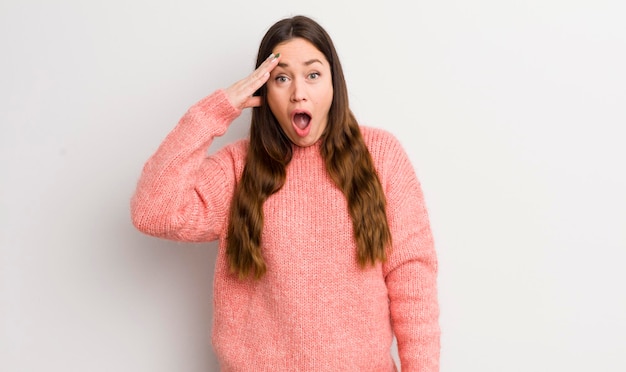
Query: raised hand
{"x": 241, "y": 93}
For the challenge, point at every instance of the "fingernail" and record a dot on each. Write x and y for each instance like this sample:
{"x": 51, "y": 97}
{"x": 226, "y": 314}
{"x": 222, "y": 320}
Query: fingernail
{"x": 276, "y": 56}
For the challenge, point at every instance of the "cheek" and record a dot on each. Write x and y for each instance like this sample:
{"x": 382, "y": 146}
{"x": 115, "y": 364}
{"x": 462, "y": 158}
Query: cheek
{"x": 324, "y": 92}
{"x": 274, "y": 98}
{"x": 272, "y": 102}
{"x": 325, "y": 99}
{"x": 278, "y": 108}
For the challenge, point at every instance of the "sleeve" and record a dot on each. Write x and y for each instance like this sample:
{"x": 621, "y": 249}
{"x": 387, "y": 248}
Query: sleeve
{"x": 411, "y": 269}
{"x": 182, "y": 194}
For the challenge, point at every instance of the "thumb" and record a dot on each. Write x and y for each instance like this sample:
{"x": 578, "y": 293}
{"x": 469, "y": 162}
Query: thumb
{"x": 254, "y": 101}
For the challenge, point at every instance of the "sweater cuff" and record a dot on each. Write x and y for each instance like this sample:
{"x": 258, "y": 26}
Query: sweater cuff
{"x": 218, "y": 107}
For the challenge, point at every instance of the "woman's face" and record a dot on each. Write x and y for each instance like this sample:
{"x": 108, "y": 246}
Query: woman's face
{"x": 300, "y": 91}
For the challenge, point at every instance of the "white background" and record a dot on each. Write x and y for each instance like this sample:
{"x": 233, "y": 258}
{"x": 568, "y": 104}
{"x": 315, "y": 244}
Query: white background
{"x": 513, "y": 113}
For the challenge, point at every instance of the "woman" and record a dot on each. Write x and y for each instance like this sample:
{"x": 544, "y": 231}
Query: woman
{"x": 325, "y": 249}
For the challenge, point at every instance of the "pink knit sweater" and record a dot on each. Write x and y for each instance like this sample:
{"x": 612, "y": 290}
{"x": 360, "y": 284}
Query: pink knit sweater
{"x": 315, "y": 309}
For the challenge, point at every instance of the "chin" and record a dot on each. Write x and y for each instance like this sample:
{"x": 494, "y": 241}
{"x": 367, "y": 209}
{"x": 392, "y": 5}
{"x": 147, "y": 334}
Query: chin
{"x": 303, "y": 142}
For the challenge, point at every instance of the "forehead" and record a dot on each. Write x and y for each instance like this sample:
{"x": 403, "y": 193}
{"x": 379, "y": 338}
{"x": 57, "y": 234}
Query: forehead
{"x": 298, "y": 51}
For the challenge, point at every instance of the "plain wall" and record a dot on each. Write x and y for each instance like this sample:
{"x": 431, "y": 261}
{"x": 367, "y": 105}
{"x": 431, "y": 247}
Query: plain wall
{"x": 513, "y": 114}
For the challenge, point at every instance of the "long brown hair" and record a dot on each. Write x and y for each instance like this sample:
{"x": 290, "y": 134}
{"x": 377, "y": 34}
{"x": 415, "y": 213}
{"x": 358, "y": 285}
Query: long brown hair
{"x": 348, "y": 163}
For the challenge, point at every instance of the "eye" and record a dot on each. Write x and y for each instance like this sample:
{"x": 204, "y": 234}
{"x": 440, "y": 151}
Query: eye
{"x": 281, "y": 79}
{"x": 314, "y": 75}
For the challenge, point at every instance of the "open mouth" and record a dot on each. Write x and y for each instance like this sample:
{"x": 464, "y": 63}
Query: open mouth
{"x": 301, "y": 121}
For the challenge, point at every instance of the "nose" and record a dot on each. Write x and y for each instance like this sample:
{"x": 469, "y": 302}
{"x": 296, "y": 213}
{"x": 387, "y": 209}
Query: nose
{"x": 298, "y": 90}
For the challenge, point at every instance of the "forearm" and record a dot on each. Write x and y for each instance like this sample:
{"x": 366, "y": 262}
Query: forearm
{"x": 415, "y": 313}
{"x": 168, "y": 193}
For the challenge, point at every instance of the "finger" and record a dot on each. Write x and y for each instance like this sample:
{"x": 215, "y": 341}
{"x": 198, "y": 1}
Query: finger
{"x": 252, "y": 102}
{"x": 241, "y": 91}
{"x": 270, "y": 62}
{"x": 262, "y": 73}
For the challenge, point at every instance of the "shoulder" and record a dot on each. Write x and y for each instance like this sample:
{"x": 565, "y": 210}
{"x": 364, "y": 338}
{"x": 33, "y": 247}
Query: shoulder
{"x": 381, "y": 143}
{"x": 389, "y": 156}
{"x": 375, "y": 134}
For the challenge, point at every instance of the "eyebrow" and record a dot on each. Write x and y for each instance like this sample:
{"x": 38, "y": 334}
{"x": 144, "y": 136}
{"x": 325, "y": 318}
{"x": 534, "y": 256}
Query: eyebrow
{"x": 307, "y": 63}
